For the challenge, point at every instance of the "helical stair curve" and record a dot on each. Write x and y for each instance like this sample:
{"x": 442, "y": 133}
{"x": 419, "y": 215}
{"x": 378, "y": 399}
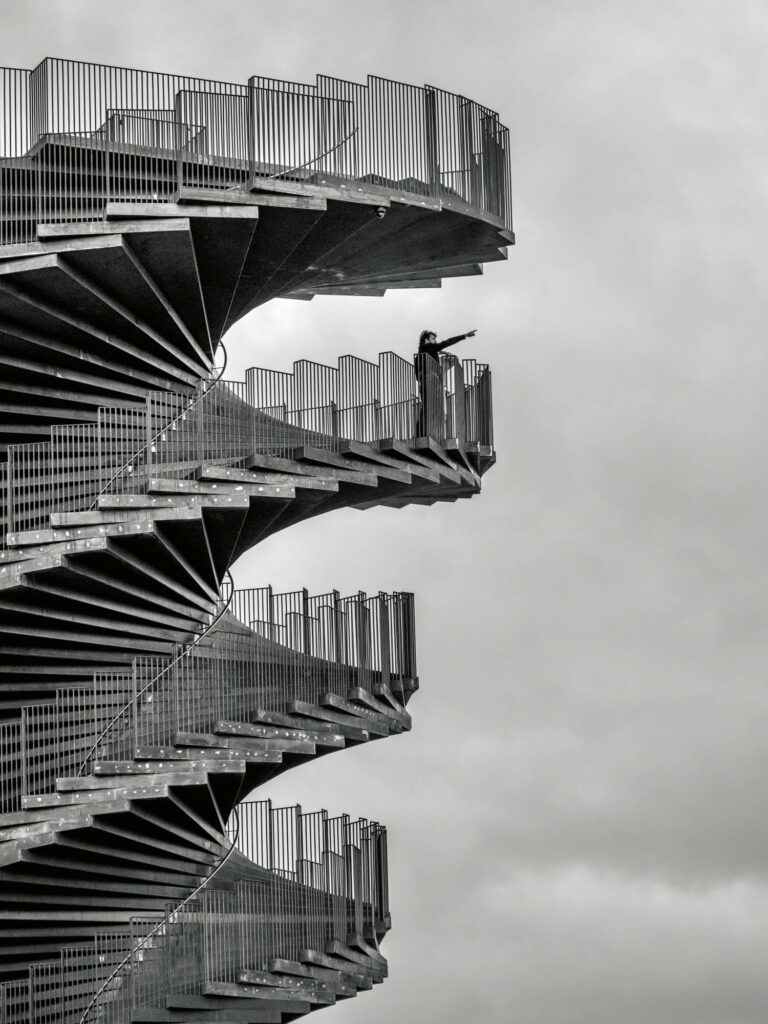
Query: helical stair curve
{"x": 142, "y": 696}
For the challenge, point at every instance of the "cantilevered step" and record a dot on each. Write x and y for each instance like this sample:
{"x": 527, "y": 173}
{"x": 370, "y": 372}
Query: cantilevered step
{"x": 96, "y": 306}
{"x": 159, "y": 831}
{"x": 294, "y": 719}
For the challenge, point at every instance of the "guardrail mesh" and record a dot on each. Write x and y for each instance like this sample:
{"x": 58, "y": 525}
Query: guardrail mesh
{"x": 77, "y": 135}
{"x": 270, "y": 413}
{"x": 265, "y": 651}
{"x": 299, "y": 881}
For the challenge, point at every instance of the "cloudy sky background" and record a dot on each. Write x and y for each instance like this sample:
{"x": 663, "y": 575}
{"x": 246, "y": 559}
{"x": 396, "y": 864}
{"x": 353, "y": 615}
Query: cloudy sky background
{"x": 578, "y": 833}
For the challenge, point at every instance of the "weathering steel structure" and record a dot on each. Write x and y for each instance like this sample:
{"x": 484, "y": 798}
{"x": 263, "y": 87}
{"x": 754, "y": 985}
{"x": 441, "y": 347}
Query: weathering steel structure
{"x": 142, "y": 697}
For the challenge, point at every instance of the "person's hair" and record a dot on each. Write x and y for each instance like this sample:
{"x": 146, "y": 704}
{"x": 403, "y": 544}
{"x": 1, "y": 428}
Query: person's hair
{"x": 424, "y": 335}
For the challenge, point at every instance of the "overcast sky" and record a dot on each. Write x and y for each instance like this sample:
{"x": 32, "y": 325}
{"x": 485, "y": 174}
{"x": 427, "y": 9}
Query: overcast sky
{"x": 578, "y": 818}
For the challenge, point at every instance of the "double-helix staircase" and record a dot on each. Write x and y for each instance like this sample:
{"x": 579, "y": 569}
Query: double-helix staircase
{"x": 142, "y": 696}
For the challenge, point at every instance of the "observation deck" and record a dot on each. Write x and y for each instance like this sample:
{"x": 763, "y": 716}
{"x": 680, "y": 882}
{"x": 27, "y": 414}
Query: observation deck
{"x": 142, "y": 696}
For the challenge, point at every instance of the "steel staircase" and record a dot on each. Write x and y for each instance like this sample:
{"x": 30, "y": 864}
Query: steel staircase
{"x": 142, "y": 697}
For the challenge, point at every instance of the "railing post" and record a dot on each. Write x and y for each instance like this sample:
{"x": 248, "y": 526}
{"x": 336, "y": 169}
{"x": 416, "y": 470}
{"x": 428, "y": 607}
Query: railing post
{"x": 270, "y": 843}
{"x": 487, "y": 407}
{"x": 10, "y": 503}
{"x": 459, "y": 407}
{"x": 199, "y": 426}
{"x": 271, "y": 612}
{"x": 251, "y": 132}
{"x": 357, "y": 889}
{"x": 299, "y": 838}
{"x": 100, "y": 467}
{"x": 23, "y": 767}
{"x": 383, "y": 874}
{"x": 177, "y": 132}
{"x": 337, "y": 644}
{"x": 386, "y": 654}
{"x": 130, "y": 743}
{"x": 361, "y": 636}
{"x": 148, "y": 439}
{"x": 432, "y": 151}
{"x": 180, "y": 722}
{"x": 305, "y": 634}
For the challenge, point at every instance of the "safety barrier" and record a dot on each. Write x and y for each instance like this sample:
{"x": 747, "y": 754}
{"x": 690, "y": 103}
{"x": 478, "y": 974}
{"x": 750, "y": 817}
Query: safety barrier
{"x": 76, "y": 136}
{"x": 265, "y": 651}
{"x": 270, "y": 413}
{"x": 297, "y": 881}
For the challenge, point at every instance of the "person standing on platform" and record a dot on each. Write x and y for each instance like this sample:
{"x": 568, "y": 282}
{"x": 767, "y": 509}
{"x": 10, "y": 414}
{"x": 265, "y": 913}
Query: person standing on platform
{"x": 429, "y": 344}
{"x": 427, "y": 366}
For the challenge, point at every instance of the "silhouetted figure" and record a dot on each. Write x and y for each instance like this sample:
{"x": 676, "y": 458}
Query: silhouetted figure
{"x": 427, "y": 365}
{"x": 428, "y": 342}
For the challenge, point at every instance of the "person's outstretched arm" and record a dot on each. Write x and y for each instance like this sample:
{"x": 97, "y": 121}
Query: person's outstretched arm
{"x": 440, "y": 345}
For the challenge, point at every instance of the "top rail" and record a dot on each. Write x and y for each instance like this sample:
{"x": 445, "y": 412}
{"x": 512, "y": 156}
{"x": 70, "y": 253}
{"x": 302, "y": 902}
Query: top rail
{"x": 76, "y": 135}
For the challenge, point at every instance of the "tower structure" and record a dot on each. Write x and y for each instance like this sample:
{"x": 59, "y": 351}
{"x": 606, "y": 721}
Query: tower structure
{"x": 143, "y": 697}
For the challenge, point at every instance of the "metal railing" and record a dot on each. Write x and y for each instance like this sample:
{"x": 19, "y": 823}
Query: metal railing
{"x": 138, "y": 456}
{"x": 261, "y": 652}
{"x": 77, "y": 135}
{"x": 115, "y": 979}
{"x": 270, "y": 413}
{"x": 144, "y": 692}
{"x": 295, "y": 881}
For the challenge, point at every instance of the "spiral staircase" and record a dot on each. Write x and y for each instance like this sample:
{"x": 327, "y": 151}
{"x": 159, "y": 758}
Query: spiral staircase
{"x": 143, "y": 697}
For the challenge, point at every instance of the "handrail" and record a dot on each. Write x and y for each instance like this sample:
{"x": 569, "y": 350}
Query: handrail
{"x": 314, "y": 159}
{"x": 182, "y": 654}
{"x": 166, "y": 920}
{"x": 408, "y": 135}
{"x": 212, "y": 382}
